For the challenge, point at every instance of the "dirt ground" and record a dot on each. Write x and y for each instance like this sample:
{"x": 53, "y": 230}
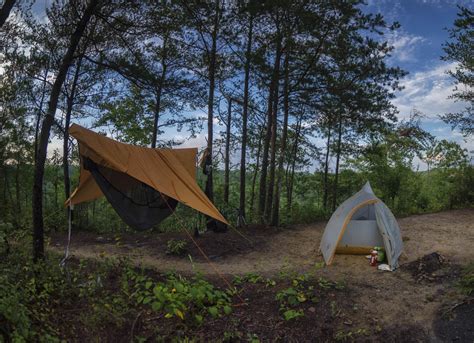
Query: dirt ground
{"x": 401, "y": 301}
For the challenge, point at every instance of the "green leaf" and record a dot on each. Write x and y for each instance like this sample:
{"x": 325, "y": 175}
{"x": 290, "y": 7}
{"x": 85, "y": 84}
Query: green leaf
{"x": 213, "y": 311}
{"x": 156, "y": 306}
{"x": 227, "y": 309}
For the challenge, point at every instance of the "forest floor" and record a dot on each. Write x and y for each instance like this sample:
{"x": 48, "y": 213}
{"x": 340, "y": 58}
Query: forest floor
{"x": 417, "y": 302}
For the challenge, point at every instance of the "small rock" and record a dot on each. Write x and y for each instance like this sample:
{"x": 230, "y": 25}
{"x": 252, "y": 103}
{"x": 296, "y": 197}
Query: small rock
{"x": 312, "y": 309}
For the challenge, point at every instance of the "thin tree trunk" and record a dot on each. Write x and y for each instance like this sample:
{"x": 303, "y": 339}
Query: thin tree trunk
{"x": 257, "y": 165}
{"x": 227, "y": 152}
{"x": 159, "y": 91}
{"x": 5, "y": 11}
{"x": 67, "y": 122}
{"x": 281, "y": 159}
{"x": 268, "y": 136}
{"x": 38, "y": 225}
{"x": 245, "y": 118}
{"x": 56, "y": 185}
{"x": 293, "y": 166}
{"x": 10, "y": 197}
{"x": 338, "y": 156}
{"x": 274, "y": 130}
{"x": 17, "y": 189}
{"x": 209, "y": 190}
{"x": 326, "y": 170}
{"x": 40, "y": 111}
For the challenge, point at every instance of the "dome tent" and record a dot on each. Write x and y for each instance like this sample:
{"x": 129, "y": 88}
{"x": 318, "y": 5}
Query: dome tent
{"x": 143, "y": 185}
{"x": 360, "y": 223}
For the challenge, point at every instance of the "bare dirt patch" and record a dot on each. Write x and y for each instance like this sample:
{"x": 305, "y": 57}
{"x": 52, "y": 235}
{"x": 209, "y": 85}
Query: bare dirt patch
{"x": 456, "y": 323}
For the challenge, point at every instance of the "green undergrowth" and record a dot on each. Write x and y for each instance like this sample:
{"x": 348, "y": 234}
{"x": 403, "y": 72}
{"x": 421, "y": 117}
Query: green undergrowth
{"x": 466, "y": 284}
{"x": 45, "y": 302}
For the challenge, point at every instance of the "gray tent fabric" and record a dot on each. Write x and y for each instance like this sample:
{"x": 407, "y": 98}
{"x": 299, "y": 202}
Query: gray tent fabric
{"x": 390, "y": 233}
{"x": 139, "y": 205}
{"x": 359, "y": 223}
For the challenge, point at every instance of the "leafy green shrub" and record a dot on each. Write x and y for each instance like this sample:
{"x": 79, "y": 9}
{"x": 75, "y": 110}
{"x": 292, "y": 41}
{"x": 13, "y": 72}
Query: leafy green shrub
{"x": 179, "y": 297}
{"x": 176, "y": 247}
{"x": 5, "y": 230}
{"x": 14, "y": 318}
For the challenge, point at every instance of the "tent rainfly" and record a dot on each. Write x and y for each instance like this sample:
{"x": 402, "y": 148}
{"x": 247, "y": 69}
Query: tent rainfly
{"x": 360, "y": 223}
{"x": 143, "y": 185}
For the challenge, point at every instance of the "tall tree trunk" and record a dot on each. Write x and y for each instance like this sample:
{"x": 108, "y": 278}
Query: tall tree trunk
{"x": 243, "y": 161}
{"x": 159, "y": 91}
{"x": 326, "y": 170}
{"x": 257, "y": 165}
{"x": 227, "y": 152}
{"x": 281, "y": 159}
{"x": 5, "y": 11}
{"x": 338, "y": 156}
{"x": 210, "y": 104}
{"x": 10, "y": 198}
{"x": 274, "y": 130}
{"x": 38, "y": 225}
{"x": 40, "y": 111}
{"x": 293, "y": 166}
{"x": 17, "y": 189}
{"x": 67, "y": 122}
{"x": 262, "y": 198}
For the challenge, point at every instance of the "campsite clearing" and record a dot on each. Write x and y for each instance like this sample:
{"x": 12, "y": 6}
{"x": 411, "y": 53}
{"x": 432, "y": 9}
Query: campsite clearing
{"x": 398, "y": 302}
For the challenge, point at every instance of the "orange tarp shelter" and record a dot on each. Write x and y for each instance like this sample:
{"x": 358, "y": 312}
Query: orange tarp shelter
{"x": 172, "y": 172}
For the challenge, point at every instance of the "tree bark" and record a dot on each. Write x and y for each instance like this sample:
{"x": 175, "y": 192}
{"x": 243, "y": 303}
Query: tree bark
{"x": 38, "y": 225}
{"x": 257, "y": 164}
{"x": 227, "y": 152}
{"x": 209, "y": 190}
{"x": 266, "y": 145}
{"x": 338, "y": 156}
{"x": 5, "y": 11}
{"x": 243, "y": 161}
{"x": 67, "y": 122}
{"x": 159, "y": 91}
{"x": 40, "y": 111}
{"x": 17, "y": 189}
{"x": 293, "y": 166}
{"x": 326, "y": 170}
{"x": 274, "y": 129}
{"x": 281, "y": 159}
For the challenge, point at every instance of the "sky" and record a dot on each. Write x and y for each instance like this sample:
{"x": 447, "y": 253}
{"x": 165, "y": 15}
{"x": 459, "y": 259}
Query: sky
{"x": 418, "y": 48}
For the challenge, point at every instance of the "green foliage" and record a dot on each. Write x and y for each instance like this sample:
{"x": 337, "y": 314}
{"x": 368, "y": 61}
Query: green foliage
{"x": 5, "y": 232}
{"x": 176, "y": 247}
{"x": 344, "y": 336}
{"x": 253, "y": 278}
{"x": 459, "y": 50}
{"x": 188, "y": 300}
{"x": 14, "y": 315}
{"x": 303, "y": 289}
{"x": 289, "y": 298}
{"x": 99, "y": 296}
{"x": 466, "y": 284}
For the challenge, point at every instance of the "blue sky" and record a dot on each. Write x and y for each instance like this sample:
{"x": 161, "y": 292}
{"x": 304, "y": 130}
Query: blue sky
{"x": 418, "y": 48}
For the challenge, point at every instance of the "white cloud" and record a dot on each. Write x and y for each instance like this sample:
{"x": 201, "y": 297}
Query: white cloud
{"x": 405, "y": 45}
{"x": 428, "y": 91}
